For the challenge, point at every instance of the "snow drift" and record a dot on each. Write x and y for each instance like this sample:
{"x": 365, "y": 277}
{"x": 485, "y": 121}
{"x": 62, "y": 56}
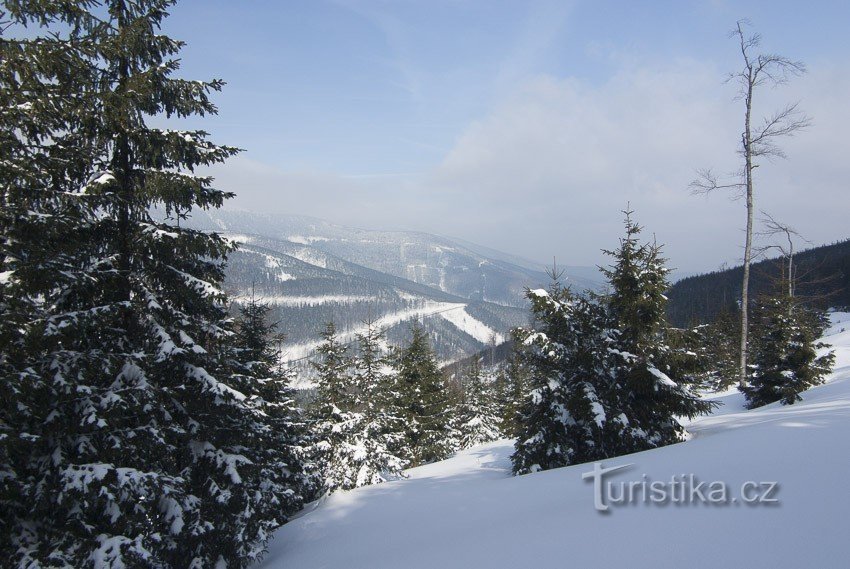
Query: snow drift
{"x": 469, "y": 512}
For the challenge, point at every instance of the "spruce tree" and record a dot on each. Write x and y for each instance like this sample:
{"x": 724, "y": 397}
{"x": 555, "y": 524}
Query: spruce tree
{"x": 137, "y": 447}
{"x": 335, "y": 387}
{"x": 640, "y": 361}
{"x": 563, "y": 418}
{"x": 41, "y": 156}
{"x": 287, "y": 465}
{"x": 333, "y": 419}
{"x": 785, "y": 355}
{"x": 424, "y": 402}
{"x": 476, "y": 418}
{"x": 357, "y": 438}
{"x": 717, "y": 344}
{"x": 512, "y": 389}
{"x": 601, "y": 367}
{"x": 381, "y": 433}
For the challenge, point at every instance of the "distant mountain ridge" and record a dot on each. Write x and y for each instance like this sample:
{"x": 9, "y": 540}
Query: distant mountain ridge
{"x": 452, "y": 265}
{"x": 313, "y": 272}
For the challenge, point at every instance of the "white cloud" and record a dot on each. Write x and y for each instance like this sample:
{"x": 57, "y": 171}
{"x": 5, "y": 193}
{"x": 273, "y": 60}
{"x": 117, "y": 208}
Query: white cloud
{"x": 556, "y": 162}
{"x": 549, "y": 169}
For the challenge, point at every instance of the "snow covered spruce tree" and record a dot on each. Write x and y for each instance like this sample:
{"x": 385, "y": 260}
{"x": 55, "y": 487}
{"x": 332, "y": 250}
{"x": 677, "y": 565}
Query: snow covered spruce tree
{"x": 335, "y": 386}
{"x": 333, "y": 420}
{"x": 511, "y": 391}
{"x": 601, "y": 368}
{"x": 287, "y": 468}
{"x": 356, "y": 437}
{"x": 423, "y": 401}
{"x": 562, "y": 418}
{"x": 381, "y": 434}
{"x": 131, "y": 446}
{"x": 717, "y": 346}
{"x": 643, "y": 399}
{"x": 785, "y": 355}
{"x": 43, "y": 161}
{"x": 476, "y": 418}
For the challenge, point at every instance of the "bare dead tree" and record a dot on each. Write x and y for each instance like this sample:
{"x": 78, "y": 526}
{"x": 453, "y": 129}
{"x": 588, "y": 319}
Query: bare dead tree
{"x": 774, "y": 228}
{"x": 757, "y": 141}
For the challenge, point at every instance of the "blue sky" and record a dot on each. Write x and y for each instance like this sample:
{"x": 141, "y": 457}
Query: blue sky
{"x": 521, "y": 125}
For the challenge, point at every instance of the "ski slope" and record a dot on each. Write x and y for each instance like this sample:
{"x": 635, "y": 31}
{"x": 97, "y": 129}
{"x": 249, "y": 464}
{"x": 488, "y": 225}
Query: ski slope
{"x": 468, "y": 512}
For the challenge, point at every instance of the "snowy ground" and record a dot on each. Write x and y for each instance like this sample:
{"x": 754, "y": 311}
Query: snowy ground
{"x": 468, "y": 512}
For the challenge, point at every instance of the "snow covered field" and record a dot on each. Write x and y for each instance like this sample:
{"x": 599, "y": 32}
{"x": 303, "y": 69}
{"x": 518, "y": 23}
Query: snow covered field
{"x": 468, "y": 512}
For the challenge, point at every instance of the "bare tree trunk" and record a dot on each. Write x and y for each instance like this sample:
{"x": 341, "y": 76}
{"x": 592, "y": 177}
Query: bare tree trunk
{"x": 758, "y": 70}
{"x": 748, "y": 244}
{"x": 790, "y": 267}
{"x": 745, "y": 287}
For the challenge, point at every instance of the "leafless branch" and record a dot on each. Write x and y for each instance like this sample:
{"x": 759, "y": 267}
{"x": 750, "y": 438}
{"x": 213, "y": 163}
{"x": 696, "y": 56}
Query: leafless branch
{"x": 707, "y": 182}
{"x": 772, "y": 228}
{"x": 783, "y": 123}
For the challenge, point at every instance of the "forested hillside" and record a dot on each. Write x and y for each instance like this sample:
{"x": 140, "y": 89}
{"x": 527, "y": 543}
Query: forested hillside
{"x": 822, "y": 274}
{"x": 306, "y": 288}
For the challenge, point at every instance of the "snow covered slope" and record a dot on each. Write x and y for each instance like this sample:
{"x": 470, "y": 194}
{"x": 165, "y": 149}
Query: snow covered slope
{"x": 468, "y": 512}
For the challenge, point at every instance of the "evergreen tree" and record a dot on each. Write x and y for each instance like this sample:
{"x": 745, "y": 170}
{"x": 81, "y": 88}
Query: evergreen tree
{"x": 476, "y": 418}
{"x": 647, "y": 401}
{"x": 563, "y": 417}
{"x": 334, "y": 382}
{"x": 785, "y": 355}
{"x": 717, "y": 344}
{"x": 371, "y": 383}
{"x": 381, "y": 434}
{"x": 600, "y": 368}
{"x": 357, "y": 437}
{"x": 287, "y": 465}
{"x": 44, "y": 160}
{"x": 512, "y": 389}
{"x": 333, "y": 420}
{"x": 115, "y": 348}
{"x": 424, "y": 402}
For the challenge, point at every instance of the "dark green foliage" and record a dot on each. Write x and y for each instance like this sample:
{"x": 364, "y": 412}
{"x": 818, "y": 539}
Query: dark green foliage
{"x": 562, "y": 418}
{"x": 289, "y": 476}
{"x": 359, "y": 435}
{"x": 785, "y": 352}
{"x": 646, "y": 399}
{"x": 132, "y": 434}
{"x": 706, "y": 356}
{"x": 512, "y": 386}
{"x": 423, "y": 401}
{"x": 476, "y": 417}
{"x": 600, "y": 368}
{"x": 334, "y": 382}
{"x": 257, "y": 339}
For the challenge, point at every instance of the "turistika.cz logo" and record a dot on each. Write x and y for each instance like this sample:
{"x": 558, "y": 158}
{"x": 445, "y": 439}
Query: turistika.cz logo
{"x": 684, "y": 489}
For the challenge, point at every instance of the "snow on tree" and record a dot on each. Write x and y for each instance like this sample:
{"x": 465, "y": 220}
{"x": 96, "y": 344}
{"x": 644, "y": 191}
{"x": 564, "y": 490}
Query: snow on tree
{"x": 127, "y": 432}
{"x": 334, "y": 384}
{"x": 646, "y": 399}
{"x": 562, "y": 418}
{"x": 716, "y": 347}
{"x": 601, "y": 368}
{"x": 785, "y": 355}
{"x": 476, "y": 418}
{"x": 286, "y": 440}
{"x": 758, "y": 140}
{"x": 39, "y": 150}
{"x": 423, "y": 401}
{"x": 357, "y": 437}
{"x": 511, "y": 391}
{"x": 383, "y": 427}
